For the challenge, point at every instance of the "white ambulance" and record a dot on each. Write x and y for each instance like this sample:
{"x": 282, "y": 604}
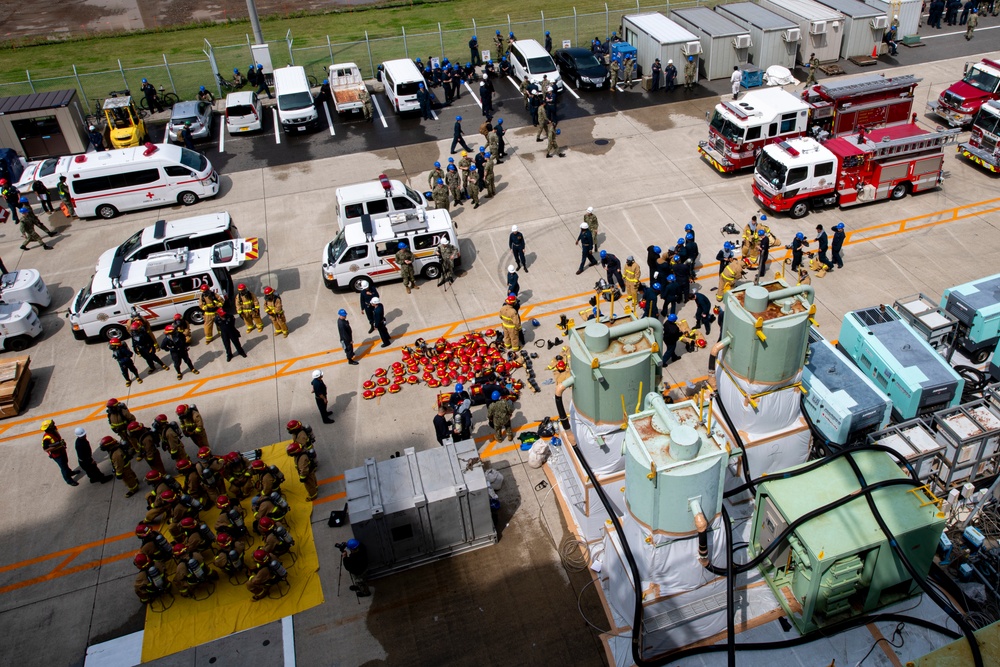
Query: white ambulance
{"x": 365, "y": 251}
{"x": 160, "y": 286}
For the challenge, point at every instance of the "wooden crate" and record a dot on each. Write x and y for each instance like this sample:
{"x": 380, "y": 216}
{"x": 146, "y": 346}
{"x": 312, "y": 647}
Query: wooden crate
{"x": 15, "y": 379}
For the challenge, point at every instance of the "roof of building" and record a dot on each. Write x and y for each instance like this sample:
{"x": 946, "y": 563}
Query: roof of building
{"x": 757, "y": 16}
{"x": 852, "y": 8}
{"x": 36, "y": 101}
{"x": 708, "y": 22}
{"x": 660, "y": 28}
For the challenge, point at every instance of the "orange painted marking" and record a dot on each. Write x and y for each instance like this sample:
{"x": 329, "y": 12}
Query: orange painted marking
{"x": 330, "y": 498}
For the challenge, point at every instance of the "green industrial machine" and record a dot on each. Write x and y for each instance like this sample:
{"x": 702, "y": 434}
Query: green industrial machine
{"x": 839, "y": 564}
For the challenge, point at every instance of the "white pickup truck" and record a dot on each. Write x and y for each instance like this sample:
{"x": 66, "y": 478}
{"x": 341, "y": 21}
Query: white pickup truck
{"x": 346, "y": 85}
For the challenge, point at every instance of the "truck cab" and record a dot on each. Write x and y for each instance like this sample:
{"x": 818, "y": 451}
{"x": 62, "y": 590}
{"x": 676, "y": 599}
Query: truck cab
{"x": 983, "y": 146}
{"x": 789, "y": 174}
{"x": 959, "y": 103}
{"x": 737, "y": 131}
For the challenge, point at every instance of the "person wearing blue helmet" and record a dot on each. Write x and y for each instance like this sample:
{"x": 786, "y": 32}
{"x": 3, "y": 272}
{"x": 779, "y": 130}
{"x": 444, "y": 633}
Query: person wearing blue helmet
{"x": 652, "y": 259}
{"x": 461, "y": 406}
{"x": 498, "y": 44}
{"x": 346, "y": 336}
{"x": 725, "y": 255}
{"x": 472, "y": 185}
{"x": 152, "y": 99}
{"x": 690, "y": 73}
{"x": 822, "y": 246}
{"x": 548, "y": 42}
{"x": 439, "y": 192}
{"x": 457, "y": 137}
{"x": 650, "y": 299}
{"x": 355, "y": 560}
{"x": 689, "y": 229}
{"x": 436, "y": 173}
{"x": 424, "y": 100}
{"x": 670, "y": 292}
{"x": 262, "y": 85}
{"x": 671, "y": 334}
{"x": 501, "y": 151}
{"x": 404, "y": 260}
{"x": 838, "y": 242}
{"x": 690, "y": 248}
{"x": 205, "y": 95}
{"x": 500, "y": 412}
{"x": 796, "y": 247}
{"x": 493, "y": 141}
{"x": 325, "y": 94}
{"x": 474, "y": 55}
{"x": 763, "y": 249}
{"x": 238, "y": 81}
{"x": 448, "y": 83}
{"x": 613, "y": 266}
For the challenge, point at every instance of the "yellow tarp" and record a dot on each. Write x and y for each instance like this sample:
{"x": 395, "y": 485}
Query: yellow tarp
{"x": 190, "y": 622}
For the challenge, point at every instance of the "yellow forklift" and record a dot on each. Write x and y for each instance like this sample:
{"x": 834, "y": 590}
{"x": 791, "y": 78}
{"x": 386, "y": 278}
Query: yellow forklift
{"x": 125, "y": 127}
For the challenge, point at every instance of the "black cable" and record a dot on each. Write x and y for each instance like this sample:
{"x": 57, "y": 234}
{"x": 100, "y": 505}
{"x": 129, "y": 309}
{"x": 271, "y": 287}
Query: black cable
{"x": 898, "y": 631}
{"x": 730, "y": 591}
{"x": 931, "y": 592}
{"x": 744, "y": 462}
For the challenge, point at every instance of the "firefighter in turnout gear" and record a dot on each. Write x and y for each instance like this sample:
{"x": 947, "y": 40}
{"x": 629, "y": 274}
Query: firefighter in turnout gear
{"x": 191, "y": 571}
{"x": 154, "y": 545}
{"x": 121, "y": 463}
{"x": 193, "y": 486}
{"x": 212, "y": 469}
{"x": 232, "y": 519}
{"x": 169, "y": 434}
{"x": 277, "y": 541}
{"x": 229, "y": 559}
{"x": 263, "y": 576}
{"x": 267, "y": 479}
{"x": 238, "y": 476}
{"x": 276, "y": 311}
{"x": 182, "y": 325}
{"x": 119, "y": 417}
{"x": 209, "y": 302}
{"x": 511, "y": 322}
{"x": 733, "y": 272}
{"x": 192, "y": 425}
{"x": 248, "y": 308}
{"x": 633, "y": 274}
{"x": 150, "y": 583}
{"x": 306, "y": 468}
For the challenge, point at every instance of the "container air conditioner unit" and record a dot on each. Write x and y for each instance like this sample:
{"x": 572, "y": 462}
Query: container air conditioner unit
{"x": 817, "y": 27}
{"x": 742, "y": 42}
{"x": 692, "y": 48}
{"x": 880, "y": 23}
{"x": 792, "y": 35}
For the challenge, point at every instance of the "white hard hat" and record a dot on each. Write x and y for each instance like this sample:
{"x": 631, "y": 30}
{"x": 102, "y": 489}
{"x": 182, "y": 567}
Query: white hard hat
{"x": 92, "y": 128}
{"x": 513, "y": 228}
{"x": 363, "y": 284}
{"x": 583, "y": 225}
{"x": 317, "y": 374}
{"x": 376, "y": 300}
{"x": 511, "y": 268}
{"x": 485, "y": 76}
{"x": 80, "y": 432}
{"x": 590, "y": 209}
{"x": 670, "y": 62}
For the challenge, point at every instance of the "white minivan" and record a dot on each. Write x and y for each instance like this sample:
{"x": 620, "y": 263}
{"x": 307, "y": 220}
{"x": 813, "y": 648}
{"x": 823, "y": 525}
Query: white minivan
{"x": 401, "y": 79}
{"x": 296, "y": 106}
{"x": 532, "y": 62}
{"x": 105, "y": 183}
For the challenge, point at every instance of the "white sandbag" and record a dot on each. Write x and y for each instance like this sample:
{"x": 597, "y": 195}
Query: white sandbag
{"x": 538, "y": 454}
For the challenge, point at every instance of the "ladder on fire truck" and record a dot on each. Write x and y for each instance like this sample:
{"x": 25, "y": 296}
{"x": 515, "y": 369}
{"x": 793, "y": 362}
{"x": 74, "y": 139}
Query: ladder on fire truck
{"x": 838, "y": 89}
{"x": 907, "y": 145}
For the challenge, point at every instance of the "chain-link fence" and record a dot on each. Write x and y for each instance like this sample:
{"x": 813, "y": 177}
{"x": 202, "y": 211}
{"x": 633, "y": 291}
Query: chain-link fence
{"x": 451, "y": 41}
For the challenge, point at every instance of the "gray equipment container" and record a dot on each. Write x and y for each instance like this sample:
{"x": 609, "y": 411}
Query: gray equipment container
{"x": 864, "y": 26}
{"x": 774, "y": 40}
{"x": 822, "y": 28}
{"x": 724, "y": 44}
{"x": 420, "y": 506}
{"x": 655, "y": 36}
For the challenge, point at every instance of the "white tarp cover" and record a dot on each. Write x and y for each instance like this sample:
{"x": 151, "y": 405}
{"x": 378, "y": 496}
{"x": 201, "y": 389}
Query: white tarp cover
{"x": 776, "y": 75}
{"x": 606, "y": 458}
{"x": 774, "y": 411}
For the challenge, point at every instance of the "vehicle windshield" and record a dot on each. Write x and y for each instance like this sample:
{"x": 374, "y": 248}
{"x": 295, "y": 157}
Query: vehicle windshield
{"x": 47, "y": 168}
{"x": 541, "y": 65}
{"x": 729, "y": 130}
{"x": 293, "y": 101}
{"x": 408, "y": 88}
{"x": 989, "y": 123}
{"x": 771, "y": 170}
{"x": 193, "y": 160}
{"x": 586, "y": 61}
{"x": 81, "y": 297}
{"x": 133, "y": 243}
{"x": 982, "y": 80}
{"x": 336, "y": 248}
{"x": 411, "y": 194}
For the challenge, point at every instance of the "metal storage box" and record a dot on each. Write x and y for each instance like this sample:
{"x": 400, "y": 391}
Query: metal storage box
{"x": 907, "y": 10}
{"x": 655, "y": 36}
{"x": 864, "y": 26}
{"x": 923, "y": 315}
{"x": 724, "y": 44}
{"x": 822, "y": 28}
{"x": 916, "y": 442}
{"x": 971, "y": 434}
{"x": 774, "y": 40}
{"x": 420, "y": 506}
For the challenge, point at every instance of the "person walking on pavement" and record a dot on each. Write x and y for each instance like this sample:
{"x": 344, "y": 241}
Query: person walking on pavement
{"x": 510, "y": 321}
{"x": 85, "y": 458}
{"x": 436, "y": 173}
{"x": 474, "y": 56}
{"x": 10, "y": 194}
{"x": 368, "y": 107}
{"x": 838, "y": 242}
{"x": 346, "y": 336}
{"x": 404, "y": 260}
{"x": 473, "y": 186}
{"x": 763, "y": 248}
{"x": 276, "y": 311}
{"x": 249, "y": 308}
{"x": 463, "y": 169}
{"x": 320, "y": 394}
{"x": 378, "y": 321}
{"x": 121, "y": 463}
{"x": 26, "y": 213}
{"x": 501, "y": 144}
{"x": 813, "y": 66}
{"x": 615, "y": 67}
{"x": 822, "y": 242}
{"x": 796, "y": 247}
{"x": 439, "y": 193}
{"x": 513, "y": 282}
{"x": 123, "y": 355}
{"x": 368, "y": 292}
{"x": 486, "y": 96}
{"x": 516, "y": 244}
{"x": 453, "y": 184}
{"x": 457, "y": 137}
{"x": 671, "y": 334}
{"x": 703, "y": 315}
{"x": 143, "y": 345}
{"x": 209, "y": 302}
{"x": 735, "y": 79}
{"x": 629, "y": 67}
{"x": 424, "y": 100}
{"x": 27, "y": 226}
{"x": 613, "y": 265}
{"x": 593, "y": 225}
{"x": 489, "y": 177}
{"x": 971, "y": 23}
{"x": 55, "y": 447}
{"x": 230, "y": 334}
{"x": 262, "y": 86}
{"x": 44, "y": 196}
{"x": 585, "y": 239}
{"x": 543, "y": 123}
{"x": 553, "y": 147}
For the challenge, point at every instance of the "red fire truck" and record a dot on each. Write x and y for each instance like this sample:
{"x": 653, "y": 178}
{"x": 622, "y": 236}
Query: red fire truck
{"x": 959, "y": 103}
{"x": 983, "y": 146}
{"x": 888, "y": 163}
{"x": 739, "y": 130}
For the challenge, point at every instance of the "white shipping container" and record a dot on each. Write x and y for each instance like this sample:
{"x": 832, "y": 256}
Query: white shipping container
{"x": 775, "y": 39}
{"x": 864, "y": 26}
{"x": 724, "y": 44}
{"x": 822, "y": 28}
{"x": 655, "y": 36}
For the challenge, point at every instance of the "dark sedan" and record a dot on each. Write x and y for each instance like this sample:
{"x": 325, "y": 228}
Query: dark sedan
{"x": 581, "y": 67}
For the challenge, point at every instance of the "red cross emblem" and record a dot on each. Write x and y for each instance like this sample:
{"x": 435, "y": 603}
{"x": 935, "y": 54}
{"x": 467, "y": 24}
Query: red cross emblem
{"x": 149, "y": 195}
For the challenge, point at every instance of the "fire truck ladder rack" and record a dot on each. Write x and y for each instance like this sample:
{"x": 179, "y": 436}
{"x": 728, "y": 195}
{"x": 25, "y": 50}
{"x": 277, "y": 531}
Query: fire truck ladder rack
{"x": 906, "y": 145}
{"x": 836, "y": 90}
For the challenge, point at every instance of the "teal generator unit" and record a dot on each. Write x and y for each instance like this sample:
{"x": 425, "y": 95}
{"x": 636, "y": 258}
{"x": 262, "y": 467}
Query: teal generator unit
{"x": 900, "y": 362}
{"x": 976, "y": 306}
{"x": 840, "y": 401}
{"x": 840, "y": 564}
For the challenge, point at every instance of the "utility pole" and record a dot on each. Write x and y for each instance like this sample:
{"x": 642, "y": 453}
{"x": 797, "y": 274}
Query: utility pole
{"x": 258, "y": 36}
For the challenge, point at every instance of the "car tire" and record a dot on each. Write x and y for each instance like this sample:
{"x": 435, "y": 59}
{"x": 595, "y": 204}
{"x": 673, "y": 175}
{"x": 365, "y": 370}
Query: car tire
{"x": 195, "y": 316}
{"x": 114, "y": 331}
{"x": 17, "y": 343}
{"x": 431, "y": 271}
{"x": 106, "y": 211}
{"x": 900, "y": 191}
{"x": 187, "y": 198}
{"x": 800, "y": 209}
{"x": 981, "y": 356}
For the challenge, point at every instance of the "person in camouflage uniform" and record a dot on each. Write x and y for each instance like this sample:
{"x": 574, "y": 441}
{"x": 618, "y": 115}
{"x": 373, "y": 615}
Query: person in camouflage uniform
{"x": 591, "y": 221}
{"x": 493, "y": 141}
{"x": 404, "y": 259}
{"x": 690, "y": 73}
{"x": 491, "y": 187}
{"x": 473, "y": 186}
{"x": 366, "y": 99}
{"x": 614, "y": 75}
{"x": 27, "y": 225}
{"x": 543, "y": 122}
{"x": 454, "y": 184}
{"x": 446, "y": 251}
{"x": 500, "y": 412}
{"x": 553, "y": 147}
{"x": 463, "y": 170}
{"x": 440, "y": 195}
{"x": 435, "y": 174}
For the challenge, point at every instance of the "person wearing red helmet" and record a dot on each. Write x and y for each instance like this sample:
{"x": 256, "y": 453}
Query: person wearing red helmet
{"x": 267, "y": 479}
{"x": 276, "y": 311}
{"x": 209, "y": 301}
{"x": 161, "y": 505}
{"x": 144, "y": 345}
{"x": 229, "y": 558}
{"x": 150, "y": 582}
{"x": 229, "y": 332}
{"x": 55, "y": 447}
{"x": 248, "y": 308}
{"x": 277, "y": 541}
{"x": 191, "y": 483}
{"x": 177, "y": 344}
{"x": 191, "y": 570}
{"x": 306, "y": 468}
{"x": 238, "y": 476}
{"x": 303, "y": 435}
{"x": 263, "y": 578}
{"x": 196, "y": 538}
{"x": 121, "y": 463}
{"x": 192, "y": 424}
{"x": 182, "y": 325}
{"x": 146, "y": 445}
{"x": 232, "y": 519}
{"x": 169, "y": 435}
{"x": 511, "y": 322}
{"x": 121, "y": 354}
{"x": 136, "y": 316}
{"x": 211, "y": 469}
{"x": 154, "y": 545}
{"x": 119, "y": 417}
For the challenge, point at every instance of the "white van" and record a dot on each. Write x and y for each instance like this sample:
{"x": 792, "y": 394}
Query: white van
{"x": 215, "y": 231}
{"x": 354, "y": 256}
{"x": 531, "y": 61}
{"x": 401, "y": 79}
{"x": 296, "y": 106}
{"x": 106, "y": 183}
{"x": 374, "y": 198}
{"x": 160, "y": 286}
